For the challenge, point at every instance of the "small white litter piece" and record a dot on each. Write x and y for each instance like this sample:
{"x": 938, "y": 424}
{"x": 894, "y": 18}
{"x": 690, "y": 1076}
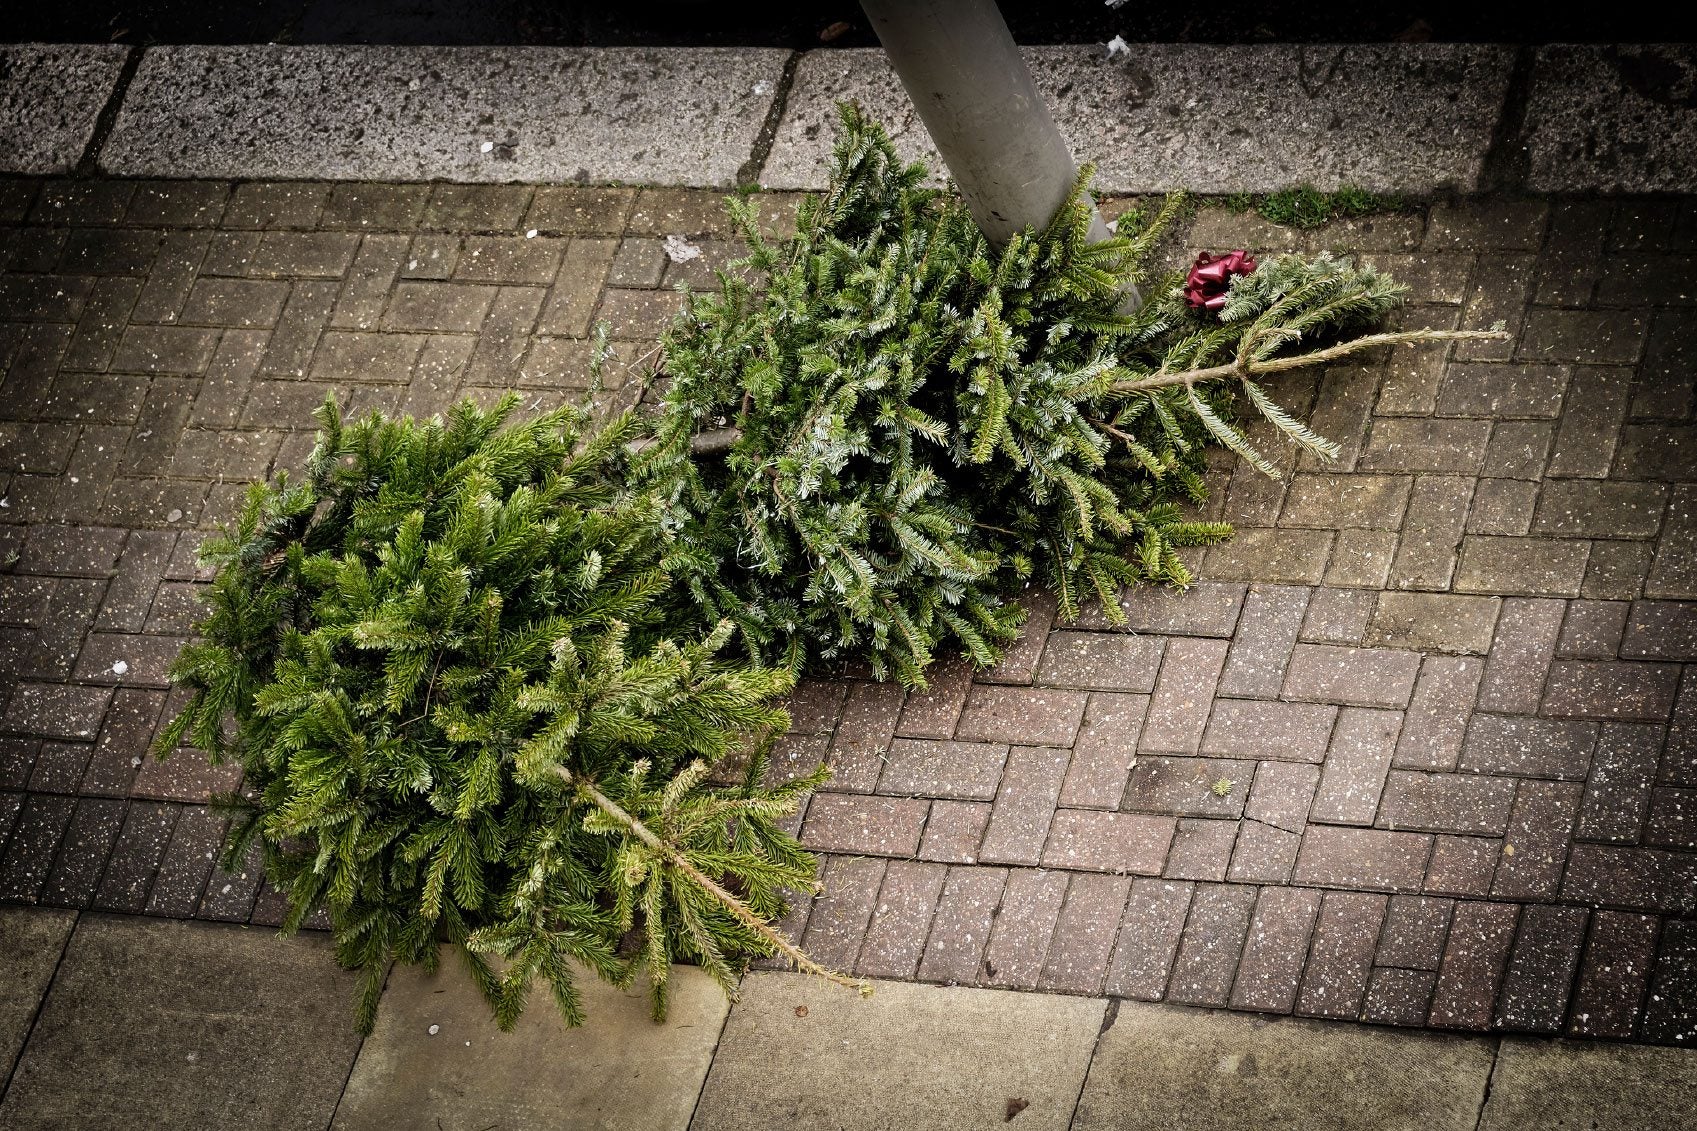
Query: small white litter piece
{"x": 680, "y": 250}
{"x": 764, "y": 86}
{"x": 120, "y": 667}
{"x": 176, "y": 515}
{"x": 530, "y": 235}
{"x": 434, "y": 1029}
{"x": 486, "y": 147}
{"x": 1117, "y": 46}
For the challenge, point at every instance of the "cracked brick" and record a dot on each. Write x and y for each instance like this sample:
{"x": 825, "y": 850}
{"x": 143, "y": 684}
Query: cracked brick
{"x": 1084, "y": 936}
{"x": 1019, "y": 940}
{"x": 1275, "y": 950}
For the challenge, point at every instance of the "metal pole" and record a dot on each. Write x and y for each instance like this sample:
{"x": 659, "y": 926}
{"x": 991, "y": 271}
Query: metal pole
{"x": 972, "y": 89}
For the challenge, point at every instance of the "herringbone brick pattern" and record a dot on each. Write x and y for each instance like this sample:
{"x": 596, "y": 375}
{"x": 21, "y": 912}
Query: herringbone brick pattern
{"x": 1419, "y": 749}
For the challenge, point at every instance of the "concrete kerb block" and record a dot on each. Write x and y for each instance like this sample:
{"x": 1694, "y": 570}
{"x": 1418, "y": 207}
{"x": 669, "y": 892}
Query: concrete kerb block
{"x": 1543, "y": 1085}
{"x": 436, "y": 1058}
{"x": 669, "y": 116}
{"x": 160, "y": 1023}
{"x": 1167, "y": 1068}
{"x": 1605, "y": 118}
{"x": 51, "y": 96}
{"x": 1410, "y": 118}
{"x": 1414, "y": 118}
{"x": 31, "y": 940}
{"x": 802, "y": 1054}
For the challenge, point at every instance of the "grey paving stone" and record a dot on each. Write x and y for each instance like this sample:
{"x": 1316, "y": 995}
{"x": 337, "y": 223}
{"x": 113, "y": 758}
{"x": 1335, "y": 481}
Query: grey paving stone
{"x": 958, "y": 1055}
{"x": 437, "y": 1059}
{"x": 468, "y": 114}
{"x": 49, "y": 101}
{"x": 1434, "y": 622}
{"x": 1674, "y": 573}
{"x": 1256, "y": 729}
{"x": 1159, "y": 1067}
{"x": 1391, "y": 117}
{"x": 31, "y": 940}
{"x": 1610, "y": 118}
{"x": 954, "y": 951}
{"x": 153, "y": 1023}
{"x": 1267, "y": 632}
{"x": 1024, "y": 925}
{"x": 1567, "y": 1086}
{"x": 1437, "y": 716}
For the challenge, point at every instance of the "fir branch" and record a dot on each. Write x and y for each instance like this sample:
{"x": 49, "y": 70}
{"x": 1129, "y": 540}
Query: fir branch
{"x": 587, "y": 789}
{"x": 1261, "y": 368}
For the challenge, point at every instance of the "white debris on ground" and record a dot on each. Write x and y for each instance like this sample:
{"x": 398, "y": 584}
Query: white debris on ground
{"x": 120, "y": 667}
{"x": 486, "y": 147}
{"x": 434, "y": 1029}
{"x": 764, "y": 86}
{"x": 1115, "y": 3}
{"x": 1117, "y": 46}
{"x": 680, "y": 250}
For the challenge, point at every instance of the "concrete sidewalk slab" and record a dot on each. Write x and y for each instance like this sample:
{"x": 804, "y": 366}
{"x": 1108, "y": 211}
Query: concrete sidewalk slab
{"x": 1569, "y": 1086}
{"x": 1613, "y": 118}
{"x": 30, "y": 944}
{"x": 153, "y": 1023}
{"x": 1170, "y": 1069}
{"x": 1391, "y": 117}
{"x": 619, "y": 1071}
{"x": 804, "y": 1055}
{"x": 658, "y": 115}
{"x": 51, "y": 96}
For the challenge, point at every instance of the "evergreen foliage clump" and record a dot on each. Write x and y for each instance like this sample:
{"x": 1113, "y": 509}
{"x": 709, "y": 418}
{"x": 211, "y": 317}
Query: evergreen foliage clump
{"x": 439, "y": 662}
{"x": 485, "y": 678}
{"x": 917, "y": 424}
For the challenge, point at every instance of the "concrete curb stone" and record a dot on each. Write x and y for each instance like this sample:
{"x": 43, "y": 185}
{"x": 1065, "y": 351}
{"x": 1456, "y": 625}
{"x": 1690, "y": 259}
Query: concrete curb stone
{"x": 158, "y": 1023}
{"x": 31, "y": 941}
{"x": 1410, "y": 118}
{"x": 1394, "y": 118}
{"x": 1574, "y": 1086}
{"x": 1171, "y": 1069}
{"x": 51, "y": 96}
{"x": 1613, "y": 118}
{"x": 800, "y": 1053}
{"x": 673, "y": 116}
{"x": 436, "y": 1058}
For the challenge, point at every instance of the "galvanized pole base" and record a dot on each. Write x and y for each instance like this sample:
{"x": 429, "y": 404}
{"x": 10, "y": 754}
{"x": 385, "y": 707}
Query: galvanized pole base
{"x": 974, "y": 93}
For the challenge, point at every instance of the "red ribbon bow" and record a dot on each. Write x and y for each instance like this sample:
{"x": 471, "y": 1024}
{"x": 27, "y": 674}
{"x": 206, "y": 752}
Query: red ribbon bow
{"x": 1205, "y": 287}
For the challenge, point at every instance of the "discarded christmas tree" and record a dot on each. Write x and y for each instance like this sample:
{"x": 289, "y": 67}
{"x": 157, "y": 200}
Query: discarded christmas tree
{"x": 479, "y": 675}
{"x": 913, "y": 425}
{"x": 460, "y": 720}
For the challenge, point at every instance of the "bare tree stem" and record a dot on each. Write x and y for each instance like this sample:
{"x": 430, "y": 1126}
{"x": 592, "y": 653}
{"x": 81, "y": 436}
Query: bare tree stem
{"x": 1302, "y": 360}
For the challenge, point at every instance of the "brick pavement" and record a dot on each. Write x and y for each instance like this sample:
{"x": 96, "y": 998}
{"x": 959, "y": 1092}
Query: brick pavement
{"x": 1438, "y": 682}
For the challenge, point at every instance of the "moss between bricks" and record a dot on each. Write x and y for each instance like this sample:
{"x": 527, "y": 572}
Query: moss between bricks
{"x": 1304, "y": 207}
